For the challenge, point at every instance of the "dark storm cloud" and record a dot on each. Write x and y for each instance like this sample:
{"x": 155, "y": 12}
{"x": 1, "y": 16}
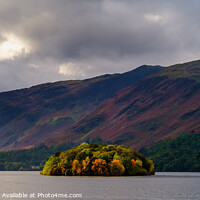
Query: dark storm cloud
{"x": 83, "y": 38}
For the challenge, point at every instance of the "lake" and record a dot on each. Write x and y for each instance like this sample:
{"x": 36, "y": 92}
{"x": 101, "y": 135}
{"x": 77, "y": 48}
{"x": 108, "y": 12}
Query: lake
{"x": 162, "y": 186}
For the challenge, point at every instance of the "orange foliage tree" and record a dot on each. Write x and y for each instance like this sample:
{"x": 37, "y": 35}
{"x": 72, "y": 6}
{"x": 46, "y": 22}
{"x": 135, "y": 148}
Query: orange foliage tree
{"x": 133, "y": 162}
{"x": 100, "y": 167}
{"x": 76, "y": 167}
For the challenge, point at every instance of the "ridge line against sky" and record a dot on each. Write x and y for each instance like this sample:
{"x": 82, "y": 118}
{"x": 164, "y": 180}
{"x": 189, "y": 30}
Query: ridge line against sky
{"x": 52, "y": 40}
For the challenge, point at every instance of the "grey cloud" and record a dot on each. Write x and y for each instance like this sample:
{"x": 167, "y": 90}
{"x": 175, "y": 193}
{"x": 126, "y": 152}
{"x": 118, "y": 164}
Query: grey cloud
{"x": 96, "y": 37}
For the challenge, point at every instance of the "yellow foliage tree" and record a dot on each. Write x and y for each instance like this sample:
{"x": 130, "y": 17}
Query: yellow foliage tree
{"x": 139, "y": 163}
{"x": 86, "y": 166}
{"x": 86, "y": 163}
{"x": 152, "y": 169}
{"x": 116, "y": 168}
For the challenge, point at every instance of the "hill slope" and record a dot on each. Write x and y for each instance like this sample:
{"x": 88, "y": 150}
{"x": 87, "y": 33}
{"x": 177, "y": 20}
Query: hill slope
{"x": 29, "y": 116}
{"x": 179, "y": 154}
{"x": 163, "y": 106}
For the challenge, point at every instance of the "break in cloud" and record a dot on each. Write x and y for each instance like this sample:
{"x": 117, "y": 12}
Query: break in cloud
{"x": 50, "y": 40}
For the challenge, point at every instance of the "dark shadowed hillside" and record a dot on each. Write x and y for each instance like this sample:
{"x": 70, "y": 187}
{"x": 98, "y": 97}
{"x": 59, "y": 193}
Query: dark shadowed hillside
{"x": 163, "y": 106}
{"x": 180, "y": 154}
{"x": 29, "y": 116}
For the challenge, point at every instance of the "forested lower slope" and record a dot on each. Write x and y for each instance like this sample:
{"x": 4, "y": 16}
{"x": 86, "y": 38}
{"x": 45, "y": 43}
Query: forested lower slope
{"x": 181, "y": 154}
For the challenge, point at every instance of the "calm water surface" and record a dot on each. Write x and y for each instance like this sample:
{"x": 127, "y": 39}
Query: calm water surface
{"x": 163, "y": 186}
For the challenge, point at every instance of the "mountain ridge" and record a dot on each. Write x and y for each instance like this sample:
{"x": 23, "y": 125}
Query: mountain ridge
{"x": 29, "y": 116}
{"x": 157, "y": 108}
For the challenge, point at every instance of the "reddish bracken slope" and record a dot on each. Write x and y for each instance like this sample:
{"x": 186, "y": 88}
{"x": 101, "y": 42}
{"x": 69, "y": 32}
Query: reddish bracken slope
{"x": 29, "y": 116}
{"x": 160, "y": 107}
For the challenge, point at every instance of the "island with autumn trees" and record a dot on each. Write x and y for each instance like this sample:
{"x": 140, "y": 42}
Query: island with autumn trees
{"x": 98, "y": 160}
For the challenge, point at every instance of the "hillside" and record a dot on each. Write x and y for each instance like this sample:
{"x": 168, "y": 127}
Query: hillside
{"x": 29, "y": 116}
{"x": 163, "y": 106}
{"x": 180, "y": 154}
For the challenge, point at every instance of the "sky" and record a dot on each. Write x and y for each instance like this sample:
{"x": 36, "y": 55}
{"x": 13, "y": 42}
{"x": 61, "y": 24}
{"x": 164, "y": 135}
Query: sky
{"x": 52, "y": 40}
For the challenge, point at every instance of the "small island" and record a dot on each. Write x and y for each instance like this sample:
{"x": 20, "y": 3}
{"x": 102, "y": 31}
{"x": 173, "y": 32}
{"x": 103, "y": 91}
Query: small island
{"x": 98, "y": 160}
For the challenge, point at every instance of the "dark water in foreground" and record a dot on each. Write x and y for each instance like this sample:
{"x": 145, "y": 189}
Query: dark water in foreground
{"x": 163, "y": 186}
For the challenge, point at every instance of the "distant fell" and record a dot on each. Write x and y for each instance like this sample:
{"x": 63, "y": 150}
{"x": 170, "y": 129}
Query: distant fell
{"x": 162, "y": 106}
{"x": 189, "y": 70}
{"x": 30, "y": 116}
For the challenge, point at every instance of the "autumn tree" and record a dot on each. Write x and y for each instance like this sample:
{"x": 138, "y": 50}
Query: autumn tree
{"x": 139, "y": 163}
{"x": 152, "y": 169}
{"x": 100, "y": 167}
{"x": 86, "y": 166}
{"x": 116, "y": 168}
{"x": 133, "y": 162}
{"x": 76, "y": 168}
{"x": 100, "y": 160}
